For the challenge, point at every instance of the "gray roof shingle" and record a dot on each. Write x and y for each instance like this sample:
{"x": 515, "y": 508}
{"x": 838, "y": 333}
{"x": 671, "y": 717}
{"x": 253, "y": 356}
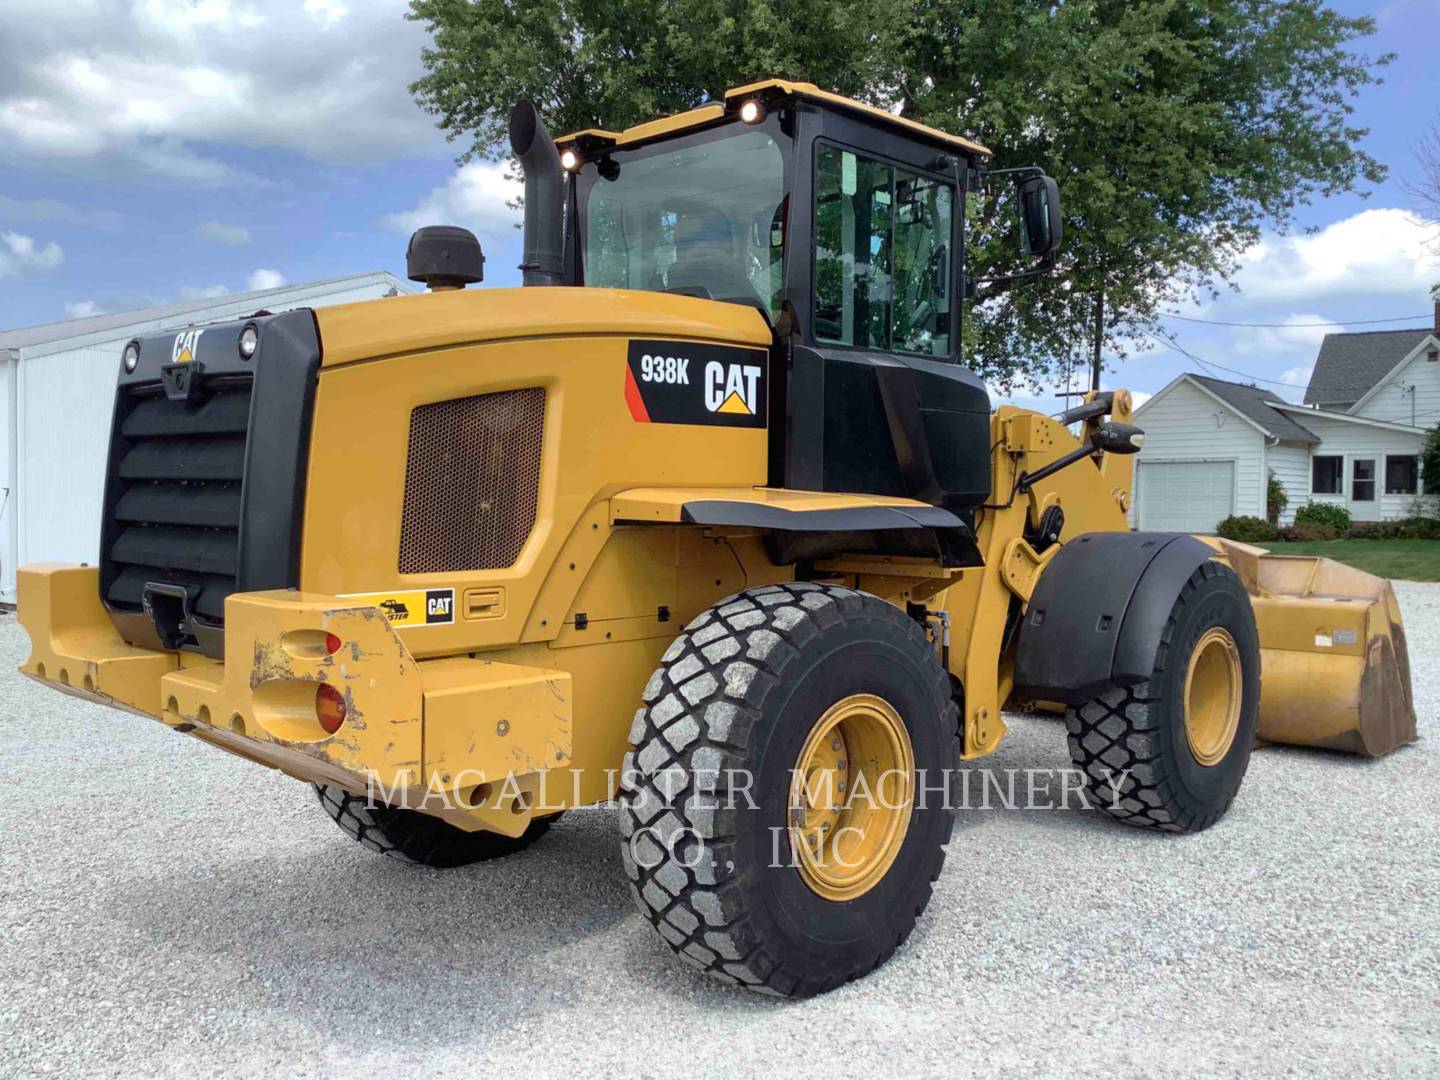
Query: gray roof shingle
{"x": 1253, "y": 402}
{"x": 1349, "y": 365}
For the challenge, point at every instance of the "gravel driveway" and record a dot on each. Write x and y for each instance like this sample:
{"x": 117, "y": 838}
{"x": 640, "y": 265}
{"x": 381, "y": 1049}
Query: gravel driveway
{"x": 167, "y": 908}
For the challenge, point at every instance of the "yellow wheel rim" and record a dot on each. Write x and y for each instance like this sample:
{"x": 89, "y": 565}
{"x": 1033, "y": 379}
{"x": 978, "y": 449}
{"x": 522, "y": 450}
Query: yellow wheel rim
{"x": 851, "y": 794}
{"x": 1213, "y": 690}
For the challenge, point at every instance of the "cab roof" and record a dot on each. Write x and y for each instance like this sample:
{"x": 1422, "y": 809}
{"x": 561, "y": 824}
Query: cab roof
{"x": 717, "y": 110}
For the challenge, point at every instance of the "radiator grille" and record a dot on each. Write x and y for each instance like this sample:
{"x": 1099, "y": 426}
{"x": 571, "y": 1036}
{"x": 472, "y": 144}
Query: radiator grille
{"x": 175, "y": 516}
{"x": 472, "y": 481}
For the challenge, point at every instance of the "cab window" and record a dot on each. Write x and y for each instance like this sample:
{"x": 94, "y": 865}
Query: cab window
{"x": 704, "y": 219}
{"x": 882, "y": 255}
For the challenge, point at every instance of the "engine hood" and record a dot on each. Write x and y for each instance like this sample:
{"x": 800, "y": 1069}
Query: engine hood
{"x": 402, "y": 324}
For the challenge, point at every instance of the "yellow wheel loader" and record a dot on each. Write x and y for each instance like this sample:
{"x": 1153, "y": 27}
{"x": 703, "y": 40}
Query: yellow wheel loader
{"x": 707, "y": 518}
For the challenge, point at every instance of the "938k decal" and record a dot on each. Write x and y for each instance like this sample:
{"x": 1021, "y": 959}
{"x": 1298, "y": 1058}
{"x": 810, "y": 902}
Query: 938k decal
{"x": 678, "y": 382}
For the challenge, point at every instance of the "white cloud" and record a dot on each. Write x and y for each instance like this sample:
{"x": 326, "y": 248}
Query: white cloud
{"x": 20, "y": 254}
{"x": 221, "y": 233}
{"x": 1299, "y": 337}
{"x": 1298, "y": 376}
{"x": 202, "y": 292}
{"x": 82, "y": 309}
{"x": 1139, "y": 397}
{"x": 154, "y": 87}
{"x": 264, "y": 279}
{"x": 475, "y": 197}
{"x": 1375, "y": 251}
{"x": 326, "y": 12}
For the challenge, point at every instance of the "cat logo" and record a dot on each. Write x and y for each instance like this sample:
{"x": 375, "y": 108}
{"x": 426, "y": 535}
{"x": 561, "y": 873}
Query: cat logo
{"x": 731, "y": 388}
{"x": 420, "y": 607}
{"x": 694, "y": 382}
{"x": 187, "y": 344}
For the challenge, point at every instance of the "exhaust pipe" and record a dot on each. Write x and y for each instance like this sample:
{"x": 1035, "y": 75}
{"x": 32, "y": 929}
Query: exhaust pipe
{"x": 543, "y": 262}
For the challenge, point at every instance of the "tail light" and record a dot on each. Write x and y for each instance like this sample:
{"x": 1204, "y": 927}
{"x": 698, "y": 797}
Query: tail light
{"x": 329, "y": 707}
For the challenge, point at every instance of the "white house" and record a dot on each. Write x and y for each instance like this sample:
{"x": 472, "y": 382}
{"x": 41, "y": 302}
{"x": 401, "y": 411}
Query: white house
{"x": 1211, "y": 445}
{"x": 57, "y": 388}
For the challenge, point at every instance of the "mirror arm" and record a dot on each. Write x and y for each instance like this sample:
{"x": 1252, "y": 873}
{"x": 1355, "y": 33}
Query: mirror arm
{"x": 985, "y": 288}
{"x": 1027, "y": 170}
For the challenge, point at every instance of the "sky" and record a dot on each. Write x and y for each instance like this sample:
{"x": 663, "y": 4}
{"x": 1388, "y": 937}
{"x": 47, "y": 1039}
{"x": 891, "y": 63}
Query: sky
{"x": 162, "y": 150}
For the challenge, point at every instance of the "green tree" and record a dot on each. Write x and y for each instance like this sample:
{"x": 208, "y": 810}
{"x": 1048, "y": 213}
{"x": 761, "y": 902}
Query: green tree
{"x": 1430, "y": 471}
{"x": 1176, "y": 128}
{"x": 1275, "y": 499}
{"x": 613, "y": 63}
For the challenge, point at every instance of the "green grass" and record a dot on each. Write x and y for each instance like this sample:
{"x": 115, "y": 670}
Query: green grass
{"x": 1412, "y": 560}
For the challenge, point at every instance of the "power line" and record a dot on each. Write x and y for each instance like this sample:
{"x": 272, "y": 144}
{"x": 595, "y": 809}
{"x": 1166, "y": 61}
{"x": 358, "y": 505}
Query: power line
{"x": 1209, "y": 365}
{"x": 1290, "y": 325}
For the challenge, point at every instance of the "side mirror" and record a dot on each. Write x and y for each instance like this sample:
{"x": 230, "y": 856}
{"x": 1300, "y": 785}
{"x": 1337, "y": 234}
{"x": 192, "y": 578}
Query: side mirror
{"x": 1118, "y": 438}
{"x": 1041, "y": 230}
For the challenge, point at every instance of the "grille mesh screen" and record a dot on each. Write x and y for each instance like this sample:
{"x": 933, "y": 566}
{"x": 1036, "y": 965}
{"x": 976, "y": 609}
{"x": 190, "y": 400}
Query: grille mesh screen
{"x": 472, "y": 480}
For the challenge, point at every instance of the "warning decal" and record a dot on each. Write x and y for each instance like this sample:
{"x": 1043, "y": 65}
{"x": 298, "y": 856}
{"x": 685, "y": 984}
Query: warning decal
{"x": 416, "y": 607}
{"x": 680, "y": 382}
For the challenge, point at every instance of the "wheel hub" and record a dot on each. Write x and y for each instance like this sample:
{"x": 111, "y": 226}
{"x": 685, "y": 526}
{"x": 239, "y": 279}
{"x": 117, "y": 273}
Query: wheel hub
{"x": 851, "y": 794}
{"x": 1214, "y": 687}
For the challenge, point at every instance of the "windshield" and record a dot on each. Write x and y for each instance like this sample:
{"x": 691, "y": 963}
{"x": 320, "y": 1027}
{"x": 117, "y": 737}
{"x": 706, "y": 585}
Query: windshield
{"x": 703, "y": 217}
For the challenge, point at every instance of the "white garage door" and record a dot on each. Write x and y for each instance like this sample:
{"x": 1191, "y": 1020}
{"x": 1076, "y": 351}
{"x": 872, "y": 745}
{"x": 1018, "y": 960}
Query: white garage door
{"x": 1185, "y": 496}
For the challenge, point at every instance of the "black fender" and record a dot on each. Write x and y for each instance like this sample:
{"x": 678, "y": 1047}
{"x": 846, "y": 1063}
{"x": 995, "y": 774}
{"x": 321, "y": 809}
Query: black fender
{"x": 1097, "y": 613}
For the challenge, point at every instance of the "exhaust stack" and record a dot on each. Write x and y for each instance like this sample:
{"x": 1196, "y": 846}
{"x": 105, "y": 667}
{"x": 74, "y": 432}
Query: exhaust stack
{"x": 544, "y": 260}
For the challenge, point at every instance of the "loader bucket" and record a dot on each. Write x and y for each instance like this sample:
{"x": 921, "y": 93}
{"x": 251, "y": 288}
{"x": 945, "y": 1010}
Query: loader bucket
{"x": 1334, "y": 669}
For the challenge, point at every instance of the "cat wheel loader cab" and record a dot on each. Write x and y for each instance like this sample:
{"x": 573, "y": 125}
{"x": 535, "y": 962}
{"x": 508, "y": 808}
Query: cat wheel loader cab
{"x": 707, "y": 517}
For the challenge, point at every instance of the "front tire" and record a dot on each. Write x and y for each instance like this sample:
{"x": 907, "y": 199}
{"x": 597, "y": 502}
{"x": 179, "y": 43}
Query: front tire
{"x": 1170, "y": 753}
{"x": 743, "y": 869}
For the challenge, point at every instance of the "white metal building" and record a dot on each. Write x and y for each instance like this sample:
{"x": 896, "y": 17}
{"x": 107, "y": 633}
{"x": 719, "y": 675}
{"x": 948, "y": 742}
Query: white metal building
{"x": 57, "y": 388}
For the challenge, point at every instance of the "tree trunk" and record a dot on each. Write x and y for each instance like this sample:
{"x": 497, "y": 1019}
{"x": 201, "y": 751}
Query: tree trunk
{"x": 1099, "y": 339}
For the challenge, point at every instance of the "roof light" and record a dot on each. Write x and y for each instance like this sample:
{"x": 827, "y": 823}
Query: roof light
{"x": 249, "y": 341}
{"x": 569, "y": 160}
{"x": 131, "y": 358}
{"x": 752, "y": 112}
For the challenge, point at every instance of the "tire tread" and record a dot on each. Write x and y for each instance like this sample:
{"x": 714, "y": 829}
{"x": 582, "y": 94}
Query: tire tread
{"x": 735, "y": 654}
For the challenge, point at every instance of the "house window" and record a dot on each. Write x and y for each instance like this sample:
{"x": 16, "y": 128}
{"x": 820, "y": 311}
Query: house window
{"x": 1362, "y": 480}
{"x": 1400, "y": 474}
{"x": 1325, "y": 474}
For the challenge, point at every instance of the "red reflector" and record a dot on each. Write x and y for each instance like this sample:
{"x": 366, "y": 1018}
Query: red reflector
{"x": 332, "y": 644}
{"x": 329, "y": 707}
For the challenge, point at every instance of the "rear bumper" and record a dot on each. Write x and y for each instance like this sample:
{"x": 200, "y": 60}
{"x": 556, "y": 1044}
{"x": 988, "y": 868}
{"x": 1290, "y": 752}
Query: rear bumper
{"x": 465, "y": 739}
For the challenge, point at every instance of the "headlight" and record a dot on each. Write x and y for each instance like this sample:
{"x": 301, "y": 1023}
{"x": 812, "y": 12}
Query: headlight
{"x": 569, "y": 161}
{"x": 249, "y": 342}
{"x": 131, "y": 357}
{"x": 752, "y": 112}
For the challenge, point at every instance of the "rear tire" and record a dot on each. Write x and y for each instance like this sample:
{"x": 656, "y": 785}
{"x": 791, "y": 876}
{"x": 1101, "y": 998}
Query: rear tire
{"x": 1170, "y": 753}
{"x": 776, "y": 676}
{"x": 413, "y": 837}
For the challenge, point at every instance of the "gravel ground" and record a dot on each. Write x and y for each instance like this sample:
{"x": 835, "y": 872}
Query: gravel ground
{"x": 166, "y": 908}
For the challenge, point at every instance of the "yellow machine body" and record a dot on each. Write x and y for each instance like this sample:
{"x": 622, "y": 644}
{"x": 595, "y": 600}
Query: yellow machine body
{"x": 520, "y": 702}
